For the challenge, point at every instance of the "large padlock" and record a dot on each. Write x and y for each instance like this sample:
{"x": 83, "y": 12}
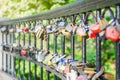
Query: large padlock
{"x": 112, "y": 33}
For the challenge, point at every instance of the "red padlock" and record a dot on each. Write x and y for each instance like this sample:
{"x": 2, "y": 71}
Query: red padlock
{"x": 95, "y": 28}
{"x": 112, "y": 33}
{"x": 26, "y": 29}
{"x": 23, "y": 52}
{"x": 92, "y": 35}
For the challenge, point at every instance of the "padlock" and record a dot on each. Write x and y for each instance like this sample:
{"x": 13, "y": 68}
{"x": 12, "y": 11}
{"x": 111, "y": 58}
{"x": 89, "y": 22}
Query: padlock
{"x": 80, "y": 32}
{"x": 112, "y": 33}
{"x": 103, "y": 23}
{"x": 81, "y": 77}
{"x": 12, "y": 30}
{"x": 3, "y": 29}
{"x": 23, "y": 52}
{"x": 40, "y": 34}
{"x": 72, "y": 75}
{"x": 91, "y": 34}
{"x": 41, "y": 55}
{"x": 69, "y": 27}
{"x": 57, "y": 58}
{"x": 95, "y": 28}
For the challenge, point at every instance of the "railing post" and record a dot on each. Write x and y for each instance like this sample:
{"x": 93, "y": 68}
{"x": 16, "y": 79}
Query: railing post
{"x": 29, "y": 77}
{"x": 83, "y": 44}
{"x": 117, "y": 48}
{"x": 2, "y": 53}
{"x": 98, "y": 47}
{"x": 55, "y": 50}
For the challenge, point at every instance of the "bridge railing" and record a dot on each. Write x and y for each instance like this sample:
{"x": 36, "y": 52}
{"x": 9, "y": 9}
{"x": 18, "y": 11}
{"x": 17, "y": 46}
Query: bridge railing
{"x": 27, "y": 40}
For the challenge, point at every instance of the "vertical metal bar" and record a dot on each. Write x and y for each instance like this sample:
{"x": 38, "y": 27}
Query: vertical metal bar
{"x": 6, "y": 54}
{"x": 35, "y": 65}
{"x": 29, "y": 77}
{"x": 19, "y": 36}
{"x": 47, "y": 72}
{"x": 72, "y": 40}
{"x": 14, "y": 58}
{"x": 98, "y": 47}
{"x": 117, "y": 47}
{"x": 10, "y": 55}
{"x": 24, "y": 42}
{"x": 83, "y": 44}
{"x": 55, "y": 50}
{"x": 63, "y": 44}
{"x": 41, "y": 68}
{"x": 2, "y": 53}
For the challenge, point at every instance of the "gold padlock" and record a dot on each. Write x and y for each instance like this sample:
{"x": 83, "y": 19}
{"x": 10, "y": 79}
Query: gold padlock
{"x": 80, "y": 32}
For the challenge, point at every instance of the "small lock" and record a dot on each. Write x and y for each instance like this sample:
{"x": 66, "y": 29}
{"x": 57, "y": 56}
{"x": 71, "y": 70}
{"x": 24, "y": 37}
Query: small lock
{"x": 103, "y": 23}
{"x": 81, "y": 77}
{"x": 71, "y": 75}
{"x": 81, "y": 31}
{"x": 57, "y": 58}
{"x": 112, "y": 33}
{"x": 69, "y": 27}
{"x": 12, "y": 30}
{"x": 23, "y": 52}
{"x": 3, "y": 29}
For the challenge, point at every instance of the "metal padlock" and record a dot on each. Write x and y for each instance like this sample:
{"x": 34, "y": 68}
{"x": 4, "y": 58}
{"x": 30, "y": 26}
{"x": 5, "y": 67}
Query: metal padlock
{"x": 112, "y": 33}
{"x": 12, "y": 30}
{"x": 69, "y": 27}
{"x": 57, "y": 58}
{"x": 3, "y": 29}
{"x": 72, "y": 75}
{"x": 81, "y": 77}
{"x": 81, "y": 32}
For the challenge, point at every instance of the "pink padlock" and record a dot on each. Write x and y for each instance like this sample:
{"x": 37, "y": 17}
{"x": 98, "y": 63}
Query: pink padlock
{"x": 23, "y": 52}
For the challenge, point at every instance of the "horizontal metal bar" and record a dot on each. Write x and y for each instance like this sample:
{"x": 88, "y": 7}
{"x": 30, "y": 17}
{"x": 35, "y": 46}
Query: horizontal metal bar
{"x": 76, "y": 7}
{"x": 51, "y": 69}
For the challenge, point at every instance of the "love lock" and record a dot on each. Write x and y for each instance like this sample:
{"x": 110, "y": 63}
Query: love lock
{"x": 41, "y": 55}
{"x": 80, "y": 32}
{"x": 23, "y": 52}
{"x": 112, "y": 33}
{"x": 69, "y": 27}
{"x": 99, "y": 26}
{"x": 12, "y": 30}
{"x": 72, "y": 75}
{"x": 48, "y": 59}
{"x": 3, "y": 29}
{"x": 57, "y": 58}
{"x": 81, "y": 77}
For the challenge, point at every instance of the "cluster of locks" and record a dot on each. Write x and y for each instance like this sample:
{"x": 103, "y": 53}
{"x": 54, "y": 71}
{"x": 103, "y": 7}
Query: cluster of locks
{"x": 61, "y": 62}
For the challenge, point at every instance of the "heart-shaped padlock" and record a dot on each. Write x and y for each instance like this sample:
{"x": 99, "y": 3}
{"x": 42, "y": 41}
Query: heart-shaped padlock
{"x": 112, "y": 33}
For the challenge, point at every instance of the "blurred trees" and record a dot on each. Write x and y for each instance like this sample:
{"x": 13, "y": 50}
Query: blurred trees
{"x": 21, "y": 8}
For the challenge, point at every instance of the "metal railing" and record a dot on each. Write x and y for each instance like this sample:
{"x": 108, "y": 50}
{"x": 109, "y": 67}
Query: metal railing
{"x": 79, "y": 10}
